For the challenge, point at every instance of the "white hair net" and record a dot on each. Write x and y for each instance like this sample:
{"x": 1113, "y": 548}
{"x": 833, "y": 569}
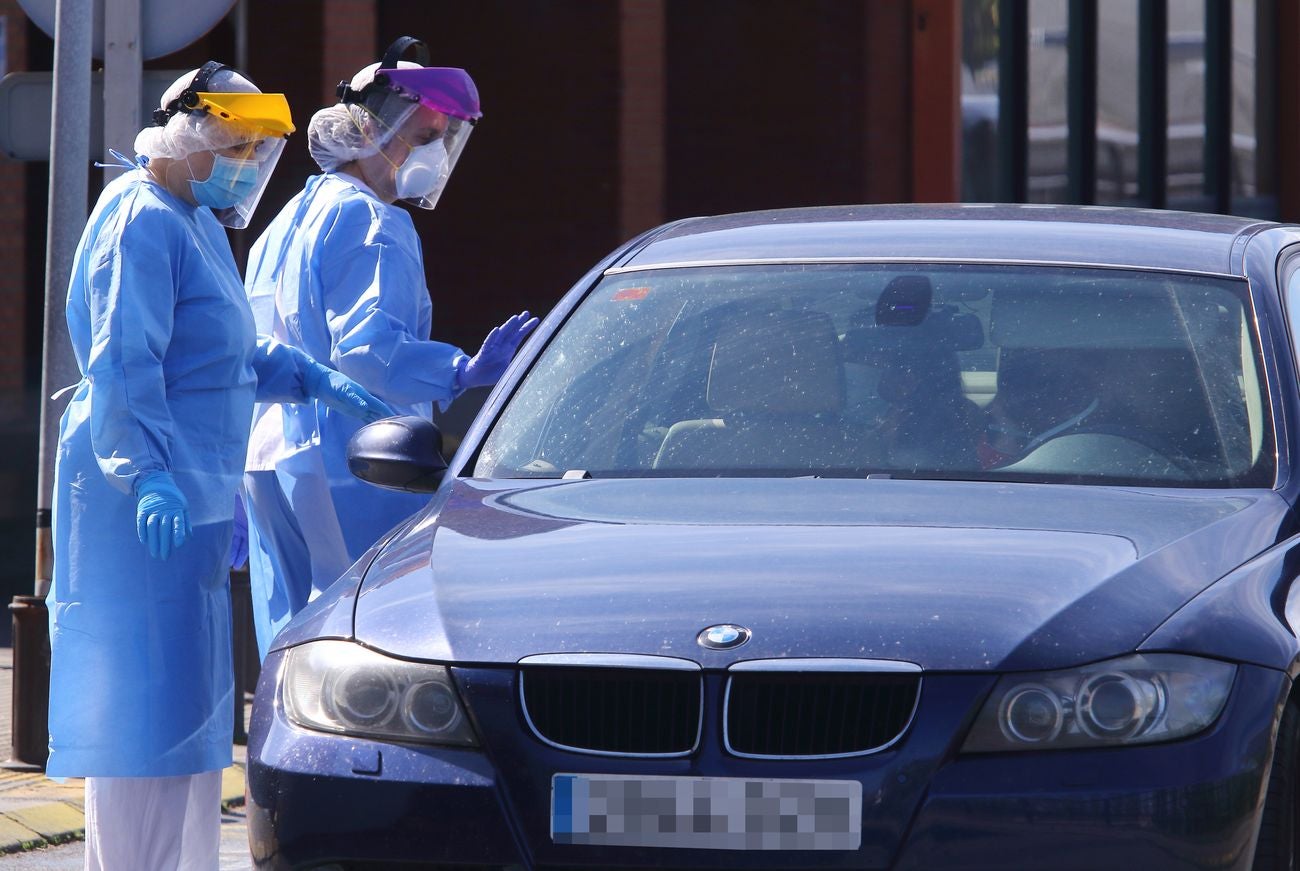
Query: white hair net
{"x": 188, "y": 133}
{"x": 340, "y": 134}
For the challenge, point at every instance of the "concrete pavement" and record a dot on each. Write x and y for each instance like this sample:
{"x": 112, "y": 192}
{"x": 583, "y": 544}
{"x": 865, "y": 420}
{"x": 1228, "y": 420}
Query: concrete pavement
{"x": 35, "y": 811}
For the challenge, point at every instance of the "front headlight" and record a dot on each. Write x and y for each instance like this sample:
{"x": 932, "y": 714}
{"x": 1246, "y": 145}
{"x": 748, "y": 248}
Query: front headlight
{"x": 1137, "y": 699}
{"x": 338, "y": 686}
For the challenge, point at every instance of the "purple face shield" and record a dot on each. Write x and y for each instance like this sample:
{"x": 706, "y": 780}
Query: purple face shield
{"x": 444, "y": 89}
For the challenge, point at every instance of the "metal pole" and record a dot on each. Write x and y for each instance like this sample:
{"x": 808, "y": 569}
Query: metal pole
{"x": 122, "y": 75}
{"x": 1082, "y": 101}
{"x": 1153, "y": 101}
{"x": 1218, "y": 104}
{"x": 1013, "y": 100}
{"x": 1267, "y": 72}
{"x": 239, "y": 239}
{"x": 69, "y": 185}
{"x": 241, "y": 36}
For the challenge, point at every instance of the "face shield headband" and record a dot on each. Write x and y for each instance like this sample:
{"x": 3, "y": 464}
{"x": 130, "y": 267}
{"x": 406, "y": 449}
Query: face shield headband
{"x": 448, "y": 90}
{"x": 391, "y": 98}
{"x": 268, "y": 113}
{"x": 240, "y": 173}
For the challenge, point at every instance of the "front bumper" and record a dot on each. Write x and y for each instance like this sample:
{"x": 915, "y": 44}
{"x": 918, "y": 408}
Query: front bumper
{"x": 316, "y": 799}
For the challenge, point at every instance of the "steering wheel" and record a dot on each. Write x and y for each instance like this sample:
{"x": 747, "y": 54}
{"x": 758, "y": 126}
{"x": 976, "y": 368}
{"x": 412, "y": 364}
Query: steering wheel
{"x": 1105, "y": 450}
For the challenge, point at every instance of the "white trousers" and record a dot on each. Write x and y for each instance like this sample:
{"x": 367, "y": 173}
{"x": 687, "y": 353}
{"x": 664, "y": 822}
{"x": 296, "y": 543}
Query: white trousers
{"x": 154, "y": 823}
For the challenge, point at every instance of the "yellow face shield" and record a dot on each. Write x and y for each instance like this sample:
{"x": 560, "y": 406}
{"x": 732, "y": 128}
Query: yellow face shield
{"x": 269, "y": 112}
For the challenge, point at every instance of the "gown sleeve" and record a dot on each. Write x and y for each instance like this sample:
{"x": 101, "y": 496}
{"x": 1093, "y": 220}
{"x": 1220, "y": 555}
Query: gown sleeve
{"x": 372, "y": 277}
{"x": 132, "y": 272}
{"x": 280, "y": 371}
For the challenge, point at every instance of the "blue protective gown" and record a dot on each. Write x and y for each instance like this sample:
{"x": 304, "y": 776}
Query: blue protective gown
{"x": 141, "y": 682}
{"x": 338, "y": 274}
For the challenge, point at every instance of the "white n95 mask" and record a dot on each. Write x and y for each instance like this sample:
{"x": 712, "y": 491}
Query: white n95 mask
{"x": 424, "y": 170}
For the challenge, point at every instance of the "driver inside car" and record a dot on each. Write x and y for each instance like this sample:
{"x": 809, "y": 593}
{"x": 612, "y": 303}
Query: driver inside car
{"x": 1038, "y": 399}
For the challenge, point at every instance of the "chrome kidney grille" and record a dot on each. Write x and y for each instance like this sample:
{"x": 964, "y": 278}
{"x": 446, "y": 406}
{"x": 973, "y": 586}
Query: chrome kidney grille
{"x": 614, "y": 711}
{"x": 777, "y": 709}
{"x": 809, "y": 714}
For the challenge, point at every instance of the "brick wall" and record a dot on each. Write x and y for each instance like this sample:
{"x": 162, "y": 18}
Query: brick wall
{"x": 642, "y": 118}
{"x": 764, "y": 105}
{"x": 348, "y": 43}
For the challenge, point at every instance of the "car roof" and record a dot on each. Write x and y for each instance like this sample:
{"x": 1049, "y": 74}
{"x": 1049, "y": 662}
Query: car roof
{"x": 1101, "y": 235}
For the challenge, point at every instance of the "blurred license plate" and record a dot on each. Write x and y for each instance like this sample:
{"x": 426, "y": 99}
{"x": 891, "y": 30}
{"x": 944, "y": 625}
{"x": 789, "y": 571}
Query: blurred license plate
{"x": 711, "y": 813}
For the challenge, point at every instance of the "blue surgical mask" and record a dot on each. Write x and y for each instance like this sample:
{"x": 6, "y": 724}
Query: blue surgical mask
{"x": 230, "y": 182}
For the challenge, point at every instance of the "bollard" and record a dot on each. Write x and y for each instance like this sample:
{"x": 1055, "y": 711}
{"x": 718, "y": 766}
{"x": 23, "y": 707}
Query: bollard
{"x": 30, "y": 745}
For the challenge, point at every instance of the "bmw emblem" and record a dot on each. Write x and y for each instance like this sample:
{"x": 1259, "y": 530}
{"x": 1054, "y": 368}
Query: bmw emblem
{"x": 724, "y": 636}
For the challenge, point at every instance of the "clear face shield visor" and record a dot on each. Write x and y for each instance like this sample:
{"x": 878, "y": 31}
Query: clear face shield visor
{"x": 432, "y": 111}
{"x": 240, "y": 171}
{"x": 422, "y": 177}
{"x": 237, "y": 180}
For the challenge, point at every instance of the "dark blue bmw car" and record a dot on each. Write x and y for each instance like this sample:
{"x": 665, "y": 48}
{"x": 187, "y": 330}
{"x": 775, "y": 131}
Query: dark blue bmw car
{"x": 874, "y": 538}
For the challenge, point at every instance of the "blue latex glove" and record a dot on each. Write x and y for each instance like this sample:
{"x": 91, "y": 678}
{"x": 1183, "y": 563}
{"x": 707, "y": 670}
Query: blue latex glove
{"x": 341, "y": 393}
{"x": 489, "y": 364}
{"x": 162, "y": 516}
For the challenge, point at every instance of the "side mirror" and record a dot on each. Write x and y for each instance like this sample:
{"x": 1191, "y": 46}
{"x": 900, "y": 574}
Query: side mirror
{"x": 400, "y": 453}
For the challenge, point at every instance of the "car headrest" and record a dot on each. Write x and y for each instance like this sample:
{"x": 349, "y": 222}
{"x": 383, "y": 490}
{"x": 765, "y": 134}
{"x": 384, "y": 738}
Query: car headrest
{"x": 1086, "y": 316}
{"x": 909, "y": 376}
{"x": 942, "y": 330}
{"x": 780, "y": 362}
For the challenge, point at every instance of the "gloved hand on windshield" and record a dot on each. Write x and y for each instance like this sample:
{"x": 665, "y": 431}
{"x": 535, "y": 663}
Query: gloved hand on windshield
{"x": 489, "y": 364}
{"x": 162, "y": 516}
{"x": 341, "y": 393}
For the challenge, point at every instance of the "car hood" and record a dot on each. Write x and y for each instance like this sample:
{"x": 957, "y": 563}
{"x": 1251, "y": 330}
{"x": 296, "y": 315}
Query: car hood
{"x": 948, "y": 575}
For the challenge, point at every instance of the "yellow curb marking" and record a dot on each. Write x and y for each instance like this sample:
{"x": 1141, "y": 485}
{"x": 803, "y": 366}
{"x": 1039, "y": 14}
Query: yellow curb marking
{"x": 15, "y": 836}
{"x": 52, "y": 821}
{"x": 232, "y": 785}
{"x": 28, "y": 827}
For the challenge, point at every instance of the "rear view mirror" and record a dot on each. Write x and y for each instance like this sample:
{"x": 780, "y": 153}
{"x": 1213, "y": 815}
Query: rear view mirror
{"x": 399, "y": 453}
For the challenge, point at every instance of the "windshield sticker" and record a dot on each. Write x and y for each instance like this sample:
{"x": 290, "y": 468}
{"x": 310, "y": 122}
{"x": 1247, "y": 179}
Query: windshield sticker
{"x": 628, "y": 293}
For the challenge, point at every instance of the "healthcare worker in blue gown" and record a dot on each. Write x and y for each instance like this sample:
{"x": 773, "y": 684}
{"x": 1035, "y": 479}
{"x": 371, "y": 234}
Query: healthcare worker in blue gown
{"x": 339, "y": 274}
{"x": 151, "y": 449}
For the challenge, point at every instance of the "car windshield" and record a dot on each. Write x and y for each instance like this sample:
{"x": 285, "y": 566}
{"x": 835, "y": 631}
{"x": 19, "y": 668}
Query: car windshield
{"x": 983, "y": 372}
